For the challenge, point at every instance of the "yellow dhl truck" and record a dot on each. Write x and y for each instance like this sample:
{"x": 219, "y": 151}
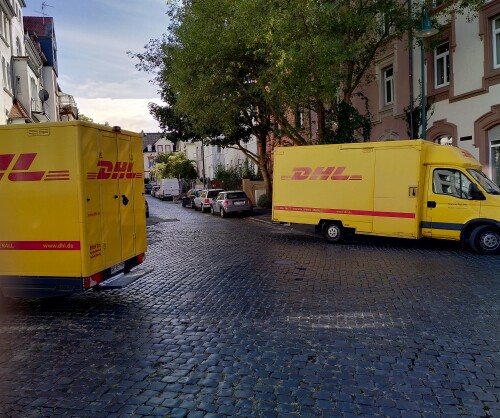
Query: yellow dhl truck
{"x": 72, "y": 209}
{"x": 407, "y": 189}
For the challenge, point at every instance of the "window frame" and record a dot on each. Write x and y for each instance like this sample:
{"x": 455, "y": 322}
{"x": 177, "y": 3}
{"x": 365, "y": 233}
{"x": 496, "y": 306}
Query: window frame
{"x": 443, "y": 57}
{"x": 495, "y": 42}
{"x": 388, "y": 85}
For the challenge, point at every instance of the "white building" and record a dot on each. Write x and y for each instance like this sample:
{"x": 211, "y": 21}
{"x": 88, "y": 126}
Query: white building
{"x": 210, "y": 157}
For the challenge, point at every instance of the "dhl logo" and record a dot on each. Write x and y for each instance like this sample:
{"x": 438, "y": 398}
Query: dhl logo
{"x": 117, "y": 170}
{"x": 321, "y": 173}
{"x": 17, "y": 168}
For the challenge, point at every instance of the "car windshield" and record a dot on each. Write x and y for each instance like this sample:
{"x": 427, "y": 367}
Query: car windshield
{"x": 236, "y": 195}
{"x": 213, "y": 193}
{"x": 488, "y": 186}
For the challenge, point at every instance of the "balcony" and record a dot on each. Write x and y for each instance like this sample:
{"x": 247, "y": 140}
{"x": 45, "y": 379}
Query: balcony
{"x": 67, "y": 107}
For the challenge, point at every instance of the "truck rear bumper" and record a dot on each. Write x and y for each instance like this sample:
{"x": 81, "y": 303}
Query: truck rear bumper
{"x": 39, "y": 287}
{"x": 45, "y": 287}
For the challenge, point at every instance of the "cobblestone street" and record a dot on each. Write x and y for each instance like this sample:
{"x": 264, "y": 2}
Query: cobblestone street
{"x": 243, "y": 318}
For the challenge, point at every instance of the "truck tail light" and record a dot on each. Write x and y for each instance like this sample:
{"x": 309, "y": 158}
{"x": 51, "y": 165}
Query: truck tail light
{"x": 92, "y": 281}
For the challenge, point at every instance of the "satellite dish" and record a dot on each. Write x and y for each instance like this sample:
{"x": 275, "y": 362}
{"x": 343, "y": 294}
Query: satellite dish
{"x": 43, "y": 95}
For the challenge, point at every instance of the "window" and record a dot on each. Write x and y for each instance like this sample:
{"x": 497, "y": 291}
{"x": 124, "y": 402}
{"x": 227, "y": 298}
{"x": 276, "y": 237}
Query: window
{"x": 4, "y": 72}
{"x": 388, "y": 75}
{"x": 496, "y": 42}
{"x": 19, "y": 50}
{"x": 494, "y": 139}
{"x": 442, "y": 65}
{"x": 437, "y": 3}
{"x": 159, "y": 148}
{"x": 451, "y": 182}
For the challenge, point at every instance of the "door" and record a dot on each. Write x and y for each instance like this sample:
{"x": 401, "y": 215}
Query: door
{"x": 449, "y": 204}
{"x": 124, "y": 169}
{"x": 110, "y": 199}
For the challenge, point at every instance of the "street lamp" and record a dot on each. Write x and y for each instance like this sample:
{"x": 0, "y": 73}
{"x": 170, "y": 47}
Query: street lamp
{"x": 425, "y": 32}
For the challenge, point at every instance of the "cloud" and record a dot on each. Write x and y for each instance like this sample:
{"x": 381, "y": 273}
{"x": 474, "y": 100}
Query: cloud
{"x": 129, "y": 114}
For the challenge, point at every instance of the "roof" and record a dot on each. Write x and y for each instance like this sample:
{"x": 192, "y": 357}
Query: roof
{"x": 150, "y": 139}
{"x": 41, "y": 26}
{"x": 18, "y": 111}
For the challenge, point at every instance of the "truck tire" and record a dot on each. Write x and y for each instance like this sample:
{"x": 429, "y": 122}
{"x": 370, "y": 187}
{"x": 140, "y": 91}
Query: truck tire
{"x": 485, "y": 240}
{"x": 333, "y": 232}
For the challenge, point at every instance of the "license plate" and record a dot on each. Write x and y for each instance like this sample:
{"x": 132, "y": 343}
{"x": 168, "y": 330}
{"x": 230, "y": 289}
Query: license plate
{"x": 117, "y": 267}
{"x": 239, "y": 203}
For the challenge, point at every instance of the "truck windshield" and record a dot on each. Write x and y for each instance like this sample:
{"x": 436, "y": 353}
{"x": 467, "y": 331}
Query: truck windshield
{"x": 488, "y": 186}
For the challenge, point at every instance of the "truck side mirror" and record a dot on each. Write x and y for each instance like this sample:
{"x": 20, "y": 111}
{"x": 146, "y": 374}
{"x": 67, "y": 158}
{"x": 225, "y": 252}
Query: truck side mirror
{"x": 475, "y": 193}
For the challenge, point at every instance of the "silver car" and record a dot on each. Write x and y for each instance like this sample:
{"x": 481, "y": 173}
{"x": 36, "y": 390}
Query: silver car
{"x": 233, "y": 201}
{"x": 204, "y": 199}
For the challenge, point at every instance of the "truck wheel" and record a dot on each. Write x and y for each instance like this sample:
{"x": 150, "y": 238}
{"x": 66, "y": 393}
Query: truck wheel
{"x": 333, "y": 232}
{"x": 485, "y": 240}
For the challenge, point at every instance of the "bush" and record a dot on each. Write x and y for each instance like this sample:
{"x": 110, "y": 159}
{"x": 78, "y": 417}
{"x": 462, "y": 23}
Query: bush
{"x": 264, "y": 202}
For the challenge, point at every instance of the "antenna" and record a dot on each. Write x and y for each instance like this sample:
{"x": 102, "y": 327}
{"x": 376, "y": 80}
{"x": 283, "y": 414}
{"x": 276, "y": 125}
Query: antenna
{"x": 43, "y": 13}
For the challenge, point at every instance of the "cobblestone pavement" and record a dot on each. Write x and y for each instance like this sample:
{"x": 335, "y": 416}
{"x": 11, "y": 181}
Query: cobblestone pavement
{"x": 242, "y": 318}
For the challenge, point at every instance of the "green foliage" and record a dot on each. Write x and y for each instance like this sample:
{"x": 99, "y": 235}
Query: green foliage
{"x": 264, "y": 202}
{"x": 347, "y": 124}
{"x": 85, "y": 118}
{"x": 231, "y": 178}
{"x": 174, "y": 164}
{"x": 229, "y": 69}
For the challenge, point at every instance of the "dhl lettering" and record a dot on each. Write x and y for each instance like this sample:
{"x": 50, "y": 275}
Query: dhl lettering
{"x": 40, "y": 245}
{"x": 321, "y": 173}
{"x": 20, "y": 169}
{"x": 117, "y": 170}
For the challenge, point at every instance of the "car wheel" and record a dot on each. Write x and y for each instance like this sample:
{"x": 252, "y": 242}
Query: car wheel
{"x": 212, "y": 211}
{"x": 333, "y": 232}
{"x": 485, "y": 240}
{"x": 223, "y": 214}
{"x": 183, "y": 204}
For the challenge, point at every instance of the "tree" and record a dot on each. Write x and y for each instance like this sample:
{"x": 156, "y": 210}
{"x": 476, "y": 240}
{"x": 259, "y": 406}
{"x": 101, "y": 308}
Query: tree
{"x": 85, "y": 118}
{"x": 229, "y": 69}
{"x": 174, "y": 165}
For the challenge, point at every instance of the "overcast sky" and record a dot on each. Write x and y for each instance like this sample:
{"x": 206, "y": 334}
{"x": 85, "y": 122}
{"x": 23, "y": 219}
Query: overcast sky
{"x": 93, "y": 37}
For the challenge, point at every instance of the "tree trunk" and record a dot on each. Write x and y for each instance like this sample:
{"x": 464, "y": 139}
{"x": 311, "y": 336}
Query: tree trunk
{"x": 320, "y": 111}
{"x": 263, "y": 160}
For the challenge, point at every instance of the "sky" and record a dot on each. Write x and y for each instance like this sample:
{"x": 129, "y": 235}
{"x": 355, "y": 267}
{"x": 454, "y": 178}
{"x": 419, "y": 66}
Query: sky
{"x": 93, "y": 37}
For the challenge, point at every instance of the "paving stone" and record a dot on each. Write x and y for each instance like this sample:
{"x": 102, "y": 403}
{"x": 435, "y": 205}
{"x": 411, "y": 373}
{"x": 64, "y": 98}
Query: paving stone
{"x": 276, "y": 323}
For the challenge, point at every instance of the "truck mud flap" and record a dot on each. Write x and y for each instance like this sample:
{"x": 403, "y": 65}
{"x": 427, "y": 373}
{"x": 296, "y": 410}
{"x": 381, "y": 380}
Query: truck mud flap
{"x": 123, "y": 280}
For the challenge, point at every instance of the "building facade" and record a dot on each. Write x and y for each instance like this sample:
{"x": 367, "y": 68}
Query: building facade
{"x": 462, "y": 80}
{"x": 28, "y": 55}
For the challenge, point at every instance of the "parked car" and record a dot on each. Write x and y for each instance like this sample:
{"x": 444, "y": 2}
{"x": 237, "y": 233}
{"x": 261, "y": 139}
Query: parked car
{"x": 147, "y": 208}
{"x": 154, "y": 190}
{"x": 204, "y": 199}
{"x": 229, "y": 202}
{"x": 147, "y": 188}
{"x": 187, "y": 199}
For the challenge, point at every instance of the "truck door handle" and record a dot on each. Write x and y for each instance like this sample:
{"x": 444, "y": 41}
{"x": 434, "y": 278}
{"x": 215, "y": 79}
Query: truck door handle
{"x": 431, "y": 204}
{"x": 124, "y": 200}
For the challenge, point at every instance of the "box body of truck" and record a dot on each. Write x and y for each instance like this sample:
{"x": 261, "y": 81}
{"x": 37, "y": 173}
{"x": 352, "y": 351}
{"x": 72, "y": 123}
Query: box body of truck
{"x": 72, "y": 213}
{"x": 169, "y": 188}
{"x": 408, "y": 189}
